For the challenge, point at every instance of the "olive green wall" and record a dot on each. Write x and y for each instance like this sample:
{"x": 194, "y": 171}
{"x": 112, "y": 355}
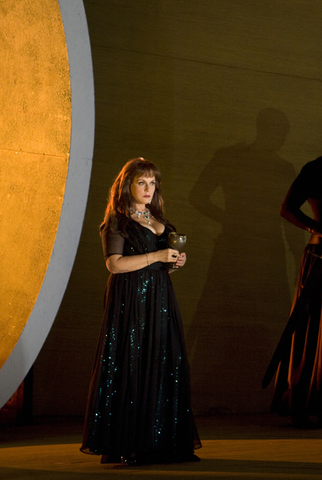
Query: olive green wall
{"x": 225, "y": 97}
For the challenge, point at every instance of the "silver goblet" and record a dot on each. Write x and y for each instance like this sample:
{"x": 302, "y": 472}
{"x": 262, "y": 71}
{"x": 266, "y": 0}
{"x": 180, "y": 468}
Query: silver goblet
{"x": 176, "y": 241}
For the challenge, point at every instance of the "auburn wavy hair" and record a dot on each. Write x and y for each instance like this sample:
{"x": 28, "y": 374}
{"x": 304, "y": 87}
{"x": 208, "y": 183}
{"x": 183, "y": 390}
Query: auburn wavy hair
{"x": 119, "y": 204}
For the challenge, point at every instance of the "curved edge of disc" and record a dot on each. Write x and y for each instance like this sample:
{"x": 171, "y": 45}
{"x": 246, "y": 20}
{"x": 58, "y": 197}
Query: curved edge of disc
{"x": 74, "y": 205}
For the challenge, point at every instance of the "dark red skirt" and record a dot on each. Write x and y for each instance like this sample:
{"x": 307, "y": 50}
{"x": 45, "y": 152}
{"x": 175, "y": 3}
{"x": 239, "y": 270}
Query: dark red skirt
{"x": 298, "y": 384}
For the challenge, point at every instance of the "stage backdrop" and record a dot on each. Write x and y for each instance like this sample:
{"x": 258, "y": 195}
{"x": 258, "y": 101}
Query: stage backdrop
{"x": 226, "y": 98}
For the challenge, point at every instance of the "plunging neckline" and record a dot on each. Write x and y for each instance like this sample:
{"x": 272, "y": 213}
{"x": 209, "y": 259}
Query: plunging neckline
{"x": 152, "y": 231}
{"x": 143, "y": 226}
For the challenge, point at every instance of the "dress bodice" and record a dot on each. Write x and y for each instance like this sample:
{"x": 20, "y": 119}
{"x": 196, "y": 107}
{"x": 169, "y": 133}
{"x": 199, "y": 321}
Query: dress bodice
{"x": 139, "y": 240}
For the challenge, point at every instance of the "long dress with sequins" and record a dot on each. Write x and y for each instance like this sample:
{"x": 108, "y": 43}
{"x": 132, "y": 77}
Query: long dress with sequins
{"x": 139, "y": 396}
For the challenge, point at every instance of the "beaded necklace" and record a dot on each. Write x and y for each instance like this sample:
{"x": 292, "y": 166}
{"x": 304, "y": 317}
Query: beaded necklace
{"x": 146, "y": 214}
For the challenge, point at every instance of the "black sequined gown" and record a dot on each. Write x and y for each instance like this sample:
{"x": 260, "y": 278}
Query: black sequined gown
{"x": 139, "y": 397}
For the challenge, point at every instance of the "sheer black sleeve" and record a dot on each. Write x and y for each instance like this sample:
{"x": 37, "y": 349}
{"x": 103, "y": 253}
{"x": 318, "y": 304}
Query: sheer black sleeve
{"x": 112, "y": 243}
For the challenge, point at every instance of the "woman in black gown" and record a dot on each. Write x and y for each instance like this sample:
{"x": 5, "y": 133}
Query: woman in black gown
{"x": 298, "y": 385}
{"x": 139, "y": 408}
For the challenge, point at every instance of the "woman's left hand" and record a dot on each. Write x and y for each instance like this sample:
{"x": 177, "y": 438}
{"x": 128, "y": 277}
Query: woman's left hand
{"x": 181, "y": 260}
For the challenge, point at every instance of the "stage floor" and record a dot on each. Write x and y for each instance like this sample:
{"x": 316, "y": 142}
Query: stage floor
{"x": 239, "y": 447}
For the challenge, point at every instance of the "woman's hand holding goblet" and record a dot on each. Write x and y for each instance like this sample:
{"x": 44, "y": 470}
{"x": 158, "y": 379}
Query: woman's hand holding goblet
{"x": 177, "y": 241}
{"x": 181, "y": 260}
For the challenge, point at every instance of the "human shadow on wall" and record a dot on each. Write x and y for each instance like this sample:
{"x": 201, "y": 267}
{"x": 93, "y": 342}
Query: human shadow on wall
{"x": 246, "y": 292}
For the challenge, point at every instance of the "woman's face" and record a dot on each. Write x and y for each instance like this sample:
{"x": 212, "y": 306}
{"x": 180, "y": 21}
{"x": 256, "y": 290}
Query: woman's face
{"x": 142, "y": 190}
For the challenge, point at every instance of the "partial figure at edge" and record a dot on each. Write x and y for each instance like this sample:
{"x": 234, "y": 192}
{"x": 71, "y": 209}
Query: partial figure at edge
{"x": 298, "y": 383}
